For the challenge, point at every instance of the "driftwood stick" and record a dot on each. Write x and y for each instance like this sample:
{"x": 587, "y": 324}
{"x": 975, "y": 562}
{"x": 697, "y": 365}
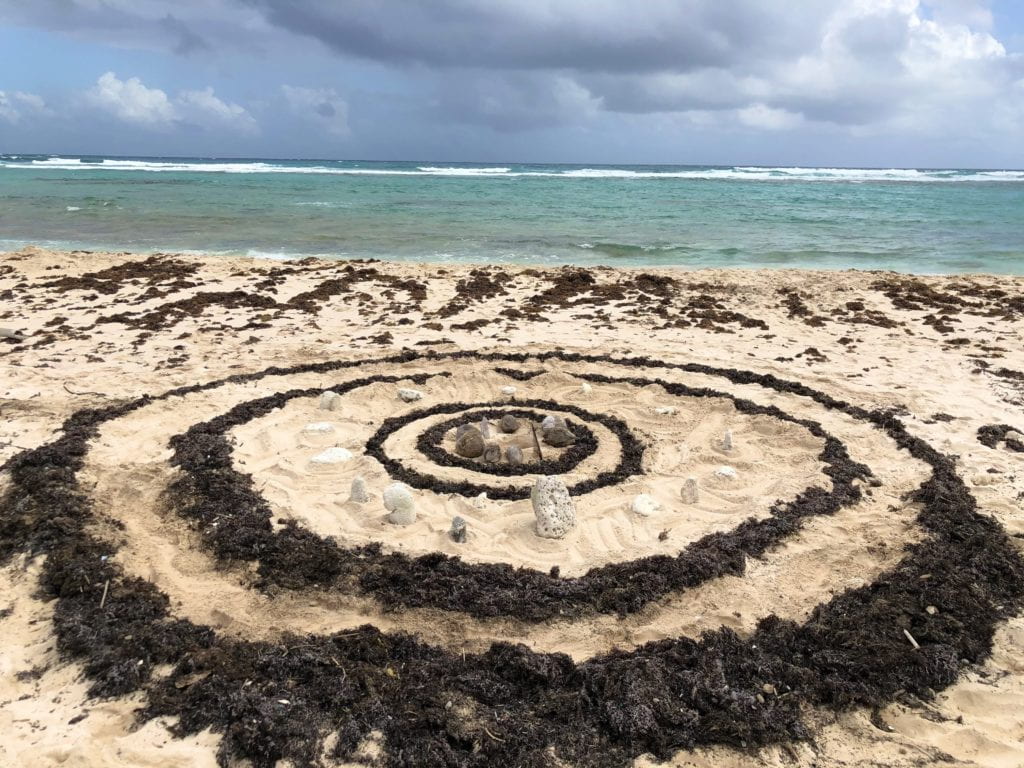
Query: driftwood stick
{"x": 913, "y": 642}
{"x": 106, "y": 586}
{"x": 536, "y": 442}
{"x": 69, "y": 390}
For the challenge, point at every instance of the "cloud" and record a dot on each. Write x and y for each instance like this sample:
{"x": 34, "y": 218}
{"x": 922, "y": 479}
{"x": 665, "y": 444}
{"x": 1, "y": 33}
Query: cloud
{"x": 205, "y": 108}
{"x": 16, "y": 105}
{"x": 902, "y": 67}
{"x": 322, "y": 106}
{"x": 133, "y": 102}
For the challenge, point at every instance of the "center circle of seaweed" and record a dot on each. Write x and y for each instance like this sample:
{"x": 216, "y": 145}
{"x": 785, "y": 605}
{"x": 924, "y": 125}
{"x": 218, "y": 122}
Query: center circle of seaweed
{"x": 278, "y": 700}
{"x": 430, "y": 444}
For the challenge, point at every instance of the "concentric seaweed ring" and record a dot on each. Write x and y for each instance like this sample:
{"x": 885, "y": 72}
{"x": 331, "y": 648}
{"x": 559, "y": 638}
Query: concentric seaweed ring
{"x": 508, "y": 706}
{"x": 430, "y": 442}
{"x": 235, "y": 523}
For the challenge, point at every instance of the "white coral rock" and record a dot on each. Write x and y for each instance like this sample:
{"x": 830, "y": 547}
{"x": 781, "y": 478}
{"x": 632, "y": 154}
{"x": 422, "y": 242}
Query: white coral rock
{"x": 644, "y": 505}
{"x": 399, "y": 502}
{"x": 553, "y": 507}
{"x": 334, "y": 455}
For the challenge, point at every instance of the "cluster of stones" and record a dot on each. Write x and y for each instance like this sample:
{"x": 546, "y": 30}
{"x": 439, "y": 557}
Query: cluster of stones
{"x": 474, "y": 441}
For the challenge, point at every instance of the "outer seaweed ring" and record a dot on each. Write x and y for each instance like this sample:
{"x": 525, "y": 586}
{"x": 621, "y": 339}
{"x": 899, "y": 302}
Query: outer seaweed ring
{"x": 662, "y": 697}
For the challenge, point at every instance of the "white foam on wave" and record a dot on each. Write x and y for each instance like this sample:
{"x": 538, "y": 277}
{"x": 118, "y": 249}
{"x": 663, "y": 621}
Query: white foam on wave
{"x": 456, "y": 171}
{"x": 72, "y": 208}
{"x": 737, "y": 173}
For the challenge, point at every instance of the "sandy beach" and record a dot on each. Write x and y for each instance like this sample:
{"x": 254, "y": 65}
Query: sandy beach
{"x": 816, "y": 501}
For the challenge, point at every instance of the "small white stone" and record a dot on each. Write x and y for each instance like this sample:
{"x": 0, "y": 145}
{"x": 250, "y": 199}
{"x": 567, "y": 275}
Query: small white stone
{"x": 330, "y": 401}
{"x": 485, "y": 428}
{"x": 399, "y": 502}
{"x": 689, "y": 492}
{"x": 585, "y": 388}
{"x": 410, "y": 395}
{"x": 552, "y": 507}
{"x": 728, "y": 472}
{"x": 318, "y": 428}
{"x": 479, "y": 502}
{"x": 334, "y": 455}
{"x": 644, "y": 505}
{"x": 665, "y": 410}
{"x": 358, "y": 492}
{"x": 727, "y": 441}
{"x": 508, "y": 391}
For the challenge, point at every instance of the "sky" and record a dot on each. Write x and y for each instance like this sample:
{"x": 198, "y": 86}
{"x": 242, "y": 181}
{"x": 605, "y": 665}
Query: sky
{"x": 877, "y": 83}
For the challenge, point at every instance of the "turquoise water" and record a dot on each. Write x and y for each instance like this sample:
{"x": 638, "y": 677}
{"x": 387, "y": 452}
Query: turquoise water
{"x": 907, "y": 220}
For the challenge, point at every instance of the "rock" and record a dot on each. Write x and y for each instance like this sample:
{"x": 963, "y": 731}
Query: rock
{"x": 508, "y": 391}
{"x": 514, "y": 454}
{"x": 334, "y": 455}
{"x": 492, "y": 453}
{"x": 480, "y": 500}
{"x": 559, "y": 437}
{"x": 665, "y": 410}
{"x": 551, "y": 421}
{"x": 585, "y": 388}
{"x": 644, "y": 505}
{"x": 11, "y": 333}
{"x": 931, "y": 610}
{"x": 727, "y": 441}
{"x": 552, "y": 507}
{"x": 768, "y": 688}
{"x": 399, "y": 502}
{"x": 410, "y": 395}
{"x": 509, "y": 424}
{"x": 358, "y": 492}
{"x": 471, "y": 444}
{"x": 689, "y": 492}
{"x": 330, "y": 401}
{"x": 463, "y": 429}
{"x": 1014, "y": 435}
{"x": 458, "y": 530}
{"x": 727, "y": 472}
{"x": 485, "y": 429}
{"x": 318, "y": 428}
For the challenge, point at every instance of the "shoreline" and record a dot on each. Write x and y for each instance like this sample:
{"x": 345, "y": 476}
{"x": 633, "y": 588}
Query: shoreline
{"x": 938, "y": 352}
{"x": 253, "y": 255}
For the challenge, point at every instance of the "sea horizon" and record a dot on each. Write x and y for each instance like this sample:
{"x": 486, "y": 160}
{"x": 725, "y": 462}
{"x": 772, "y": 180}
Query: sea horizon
{"x": 915, "y": 220}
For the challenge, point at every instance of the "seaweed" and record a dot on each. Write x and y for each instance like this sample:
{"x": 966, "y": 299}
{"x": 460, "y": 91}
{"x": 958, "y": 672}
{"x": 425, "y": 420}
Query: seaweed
{"x": 510, "y": 706}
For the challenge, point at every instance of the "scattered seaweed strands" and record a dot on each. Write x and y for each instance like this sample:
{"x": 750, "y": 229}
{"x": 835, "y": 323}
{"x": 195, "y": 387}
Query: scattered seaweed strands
{"x": 991, "y": 435}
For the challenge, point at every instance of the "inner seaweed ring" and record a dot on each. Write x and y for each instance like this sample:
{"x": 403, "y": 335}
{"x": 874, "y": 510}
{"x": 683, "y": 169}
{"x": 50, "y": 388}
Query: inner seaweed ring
{"x": 429, "y": 444}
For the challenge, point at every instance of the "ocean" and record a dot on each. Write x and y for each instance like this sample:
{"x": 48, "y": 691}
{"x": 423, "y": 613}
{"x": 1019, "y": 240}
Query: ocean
{"x": 923, "y": 221}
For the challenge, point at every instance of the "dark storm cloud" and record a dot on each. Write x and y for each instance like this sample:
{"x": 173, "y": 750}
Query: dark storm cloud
{"x": 581, "y": 35}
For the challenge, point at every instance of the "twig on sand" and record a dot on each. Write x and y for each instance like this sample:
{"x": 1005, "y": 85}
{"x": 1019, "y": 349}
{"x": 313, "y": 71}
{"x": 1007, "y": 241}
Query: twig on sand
{"x": 106, "y": 586}
{"x": 536, "y": 442}
{"x": 913, "y": 642}
{"x": 496, "y": 738}
{"x": 72, "y": 392}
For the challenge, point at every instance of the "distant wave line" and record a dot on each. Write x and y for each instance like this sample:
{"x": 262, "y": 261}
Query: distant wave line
{"x": 736, "y": 173}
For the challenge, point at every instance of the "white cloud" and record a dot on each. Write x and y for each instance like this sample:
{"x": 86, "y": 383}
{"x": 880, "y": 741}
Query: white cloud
{"x": 768, "y": 118}
{"x": 207, "y": 108}
{"x": 320, "y": 105}
{"x": 17, "y": 104}
{"x": 131, "y": 101}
